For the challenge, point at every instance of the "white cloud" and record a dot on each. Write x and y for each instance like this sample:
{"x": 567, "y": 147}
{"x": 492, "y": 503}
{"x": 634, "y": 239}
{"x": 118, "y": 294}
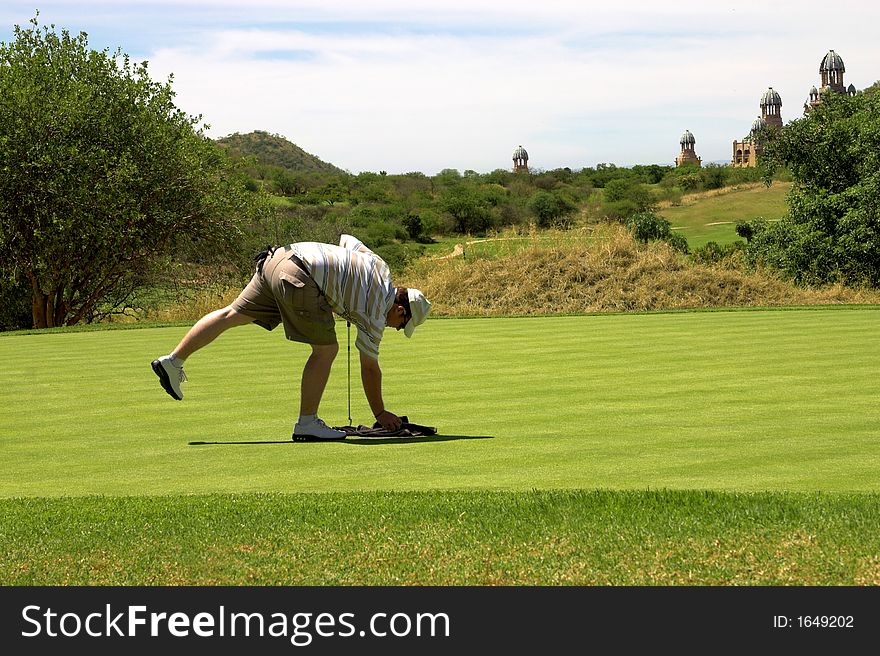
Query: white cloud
{"x": 397, "y": 85}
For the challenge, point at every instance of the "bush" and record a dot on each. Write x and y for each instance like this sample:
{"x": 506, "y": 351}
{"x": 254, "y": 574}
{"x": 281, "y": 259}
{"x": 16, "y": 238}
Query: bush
{"x": 468, "y": 209}
{"x": 713, "y": 177}
{"x": 714, "y": 253}
{"x": 414, "y": 227}
{"x": 624, "y": 197}
{"x": 746, "y": 229}
{"x": 549, "y": 208}
{"x": 647, "y": 226}
{"x": 398, "y": 256}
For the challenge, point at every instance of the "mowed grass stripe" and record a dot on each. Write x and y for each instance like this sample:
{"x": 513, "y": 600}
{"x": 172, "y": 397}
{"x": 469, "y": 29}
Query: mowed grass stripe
{"x": 759, "y": 400}
{"x": 444, "y": 538}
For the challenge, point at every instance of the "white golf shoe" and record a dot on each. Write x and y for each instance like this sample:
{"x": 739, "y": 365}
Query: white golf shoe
{"x": 170, "y": 376}
{"x": 315, "y": 431}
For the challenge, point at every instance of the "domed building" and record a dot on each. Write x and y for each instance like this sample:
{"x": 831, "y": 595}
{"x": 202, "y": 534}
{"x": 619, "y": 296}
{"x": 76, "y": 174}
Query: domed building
{"x": 831, "y": 70}
{"x": 747, "y": 149}
{"x": 687, "y": 155}
{"x": 520, "y": 160}
{"x": 771, "y": 108}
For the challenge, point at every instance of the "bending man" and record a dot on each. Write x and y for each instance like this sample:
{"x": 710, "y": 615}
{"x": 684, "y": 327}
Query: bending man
{"x": 301, "y": 286}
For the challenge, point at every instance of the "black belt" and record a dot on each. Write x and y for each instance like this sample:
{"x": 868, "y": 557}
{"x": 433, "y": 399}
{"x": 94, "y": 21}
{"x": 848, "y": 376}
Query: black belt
{"x": 271, "y": 251}
{"x": 298, "y": 262}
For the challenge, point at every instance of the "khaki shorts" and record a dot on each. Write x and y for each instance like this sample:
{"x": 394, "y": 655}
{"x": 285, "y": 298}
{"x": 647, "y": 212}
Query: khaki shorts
{"x": 284, "y": 293}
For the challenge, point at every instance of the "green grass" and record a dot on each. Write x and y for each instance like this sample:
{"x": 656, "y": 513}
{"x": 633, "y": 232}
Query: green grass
{"x": 692, "y": 447}
{"x": 444, "y": 538}
{"x": 714, "y": 218}
{"x": 740, "y": 401}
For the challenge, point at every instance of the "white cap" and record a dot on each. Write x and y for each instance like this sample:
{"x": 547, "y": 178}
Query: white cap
{"x": 419, "y": 306}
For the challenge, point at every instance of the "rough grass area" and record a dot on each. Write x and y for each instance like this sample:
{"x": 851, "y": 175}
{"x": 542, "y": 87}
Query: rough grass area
{"x": 604, "y": 270}
{"x": 444, "y": 538}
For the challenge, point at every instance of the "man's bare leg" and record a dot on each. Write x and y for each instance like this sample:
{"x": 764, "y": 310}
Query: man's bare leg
{"x": 314, "y": 377}
{"x": 314, "y": 380}
{"x": 209, "y": 328}
{"x": 169, "y": 368}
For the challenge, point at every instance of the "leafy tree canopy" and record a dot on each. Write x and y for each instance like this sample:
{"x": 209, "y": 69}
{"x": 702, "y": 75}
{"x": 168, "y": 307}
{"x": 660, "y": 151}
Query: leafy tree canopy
{"x": 832, "y": 231}
{"x": 101, "y": 176}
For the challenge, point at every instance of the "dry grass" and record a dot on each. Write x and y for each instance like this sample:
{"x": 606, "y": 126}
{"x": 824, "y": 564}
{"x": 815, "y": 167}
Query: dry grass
{"x": 191, "y": 307}
{"x": 587, "y": 269}
{"x": 607, "y": 271}
{"x": 198, "y": 306}
{"x": 697, "y": 196}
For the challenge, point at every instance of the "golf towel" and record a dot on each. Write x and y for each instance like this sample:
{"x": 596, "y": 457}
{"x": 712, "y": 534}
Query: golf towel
{"x": 407, "y": 429}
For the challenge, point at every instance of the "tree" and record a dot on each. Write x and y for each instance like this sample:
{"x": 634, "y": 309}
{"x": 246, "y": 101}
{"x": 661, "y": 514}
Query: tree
{"x": 467, "y": 208}
{"x": 832, "y": 230}
{"x": 549, "y": 207}
{"x": 647, "y": 226}
{"x": 624, "y": 197}
{"x": 102, "y": 176}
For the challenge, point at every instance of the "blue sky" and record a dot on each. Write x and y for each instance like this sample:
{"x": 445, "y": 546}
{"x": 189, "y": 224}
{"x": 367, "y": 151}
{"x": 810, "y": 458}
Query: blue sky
{"x": 409, "y": 85}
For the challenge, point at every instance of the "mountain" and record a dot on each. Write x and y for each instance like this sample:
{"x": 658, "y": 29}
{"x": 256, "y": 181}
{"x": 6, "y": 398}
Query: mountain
{"x": 274, "y": 150}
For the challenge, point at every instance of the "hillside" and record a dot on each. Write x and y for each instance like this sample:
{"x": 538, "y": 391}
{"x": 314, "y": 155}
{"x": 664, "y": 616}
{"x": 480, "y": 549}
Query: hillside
{"x": 597, "y": 269}
{"x": 274, "y": 150}
{"x": 712, "y": 215}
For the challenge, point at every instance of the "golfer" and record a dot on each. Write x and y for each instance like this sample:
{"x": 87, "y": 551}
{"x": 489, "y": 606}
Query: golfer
{"x": 301, "y": 286}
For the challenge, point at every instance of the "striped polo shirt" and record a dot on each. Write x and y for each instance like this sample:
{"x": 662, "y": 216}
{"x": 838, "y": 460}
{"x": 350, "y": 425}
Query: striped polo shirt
{"x": 357, "y": 284}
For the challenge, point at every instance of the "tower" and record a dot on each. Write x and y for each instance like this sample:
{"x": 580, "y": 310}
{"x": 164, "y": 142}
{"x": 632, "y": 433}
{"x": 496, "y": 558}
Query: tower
{"x": 831, "y": 69}
{"x": 747, "y": 149}
{"x": 520, "y": 160}
{"x": 745, "y": 152}
{"x": 771, "y": 108}
{"x": 687, "y": 154}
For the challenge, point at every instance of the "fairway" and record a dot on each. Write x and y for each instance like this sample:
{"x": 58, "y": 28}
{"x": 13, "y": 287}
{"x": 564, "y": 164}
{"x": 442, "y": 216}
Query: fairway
{"x": 714, "y": 218}
{"x": 776, "y": 400}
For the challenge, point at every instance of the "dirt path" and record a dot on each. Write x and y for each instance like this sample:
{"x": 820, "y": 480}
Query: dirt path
{"x": 458, "y": 249}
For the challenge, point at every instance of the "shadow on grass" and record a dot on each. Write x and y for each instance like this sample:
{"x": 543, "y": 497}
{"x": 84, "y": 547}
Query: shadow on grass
{"x": 359, "y": 441}
{"x": 365, "y": 441}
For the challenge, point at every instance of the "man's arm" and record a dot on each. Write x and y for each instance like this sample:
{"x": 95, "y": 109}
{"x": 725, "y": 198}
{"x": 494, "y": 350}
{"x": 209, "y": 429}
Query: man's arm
{"x": 371, "y": 377}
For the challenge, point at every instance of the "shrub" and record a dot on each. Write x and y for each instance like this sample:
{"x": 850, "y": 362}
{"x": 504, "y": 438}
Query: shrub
{"x": 624, "y": 197}
{"x": 714, "y": 253}
{"x": 549, "y": 207}
{"x": 468, "y": 209}
{"x": 647, "y": 226}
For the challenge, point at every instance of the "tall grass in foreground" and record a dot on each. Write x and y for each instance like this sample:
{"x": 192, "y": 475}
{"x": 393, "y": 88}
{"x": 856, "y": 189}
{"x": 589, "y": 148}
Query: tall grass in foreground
{"x": 444, "y": 538}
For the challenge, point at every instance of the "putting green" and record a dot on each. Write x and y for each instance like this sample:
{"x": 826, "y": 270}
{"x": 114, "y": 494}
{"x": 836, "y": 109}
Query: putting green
{"x": 748, "y": 400}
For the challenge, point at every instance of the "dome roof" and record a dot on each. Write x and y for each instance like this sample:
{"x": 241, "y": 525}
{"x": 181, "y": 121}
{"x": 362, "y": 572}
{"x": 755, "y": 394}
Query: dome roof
{"x": 758, "y": 124}
{"x": 687, "y": 138}
{"x": 813, "y": 90}
{"x": 771, "y": 97}
{"x": 520, "y": 153}
{"x": 832, "y": 62}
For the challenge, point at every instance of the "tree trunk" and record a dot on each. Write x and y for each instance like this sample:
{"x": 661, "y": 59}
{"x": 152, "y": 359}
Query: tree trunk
{"x": 59, "y": 311}
{"x": 49, "y": 311}
{"x": 38, "y": 302}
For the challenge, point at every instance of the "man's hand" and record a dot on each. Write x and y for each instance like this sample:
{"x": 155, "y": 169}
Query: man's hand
{"x": 389, "y": 421}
